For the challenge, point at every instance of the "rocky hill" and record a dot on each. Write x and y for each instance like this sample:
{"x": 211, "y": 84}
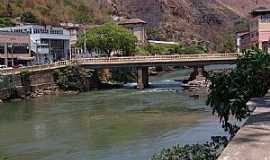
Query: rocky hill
{"x": 185, "y": 20}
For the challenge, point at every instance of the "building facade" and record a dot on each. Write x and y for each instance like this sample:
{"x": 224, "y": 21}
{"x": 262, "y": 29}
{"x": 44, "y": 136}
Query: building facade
{"x": 259, "y": 31}
{"x": 48, "y": 43}
{"x": 15, "y": 49}
{"x": 259, "y": 27}
{"x": 242, "y": 41}
{"x": 137, "y": 27}
{"x": 76, "y": 31}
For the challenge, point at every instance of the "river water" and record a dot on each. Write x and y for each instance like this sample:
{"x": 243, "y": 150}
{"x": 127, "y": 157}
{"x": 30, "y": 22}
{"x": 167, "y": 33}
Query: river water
{"x": 117, "y": 124}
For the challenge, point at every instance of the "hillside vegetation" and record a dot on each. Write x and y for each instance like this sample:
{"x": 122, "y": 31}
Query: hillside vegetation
{"x": 55, "y": 11}
{"x": 215, "y": 21}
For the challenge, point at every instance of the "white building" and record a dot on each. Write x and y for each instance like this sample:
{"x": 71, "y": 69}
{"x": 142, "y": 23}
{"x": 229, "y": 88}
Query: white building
{"x": 48, "y": 43}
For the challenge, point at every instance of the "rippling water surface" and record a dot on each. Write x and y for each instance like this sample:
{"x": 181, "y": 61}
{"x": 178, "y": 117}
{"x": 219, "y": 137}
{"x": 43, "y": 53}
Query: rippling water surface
{"x": 118, "y": 124}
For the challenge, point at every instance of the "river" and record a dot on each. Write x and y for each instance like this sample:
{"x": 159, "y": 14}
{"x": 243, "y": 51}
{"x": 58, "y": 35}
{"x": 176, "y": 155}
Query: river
{"x": 117, "y": 124}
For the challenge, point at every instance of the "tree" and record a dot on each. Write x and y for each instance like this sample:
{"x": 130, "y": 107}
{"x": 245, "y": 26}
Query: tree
{"x": 229, "y": 92}
{"x": 5, "y": 22}
{"x": 110, "y": 37}
{"x": 28, "y": 17}
{"x": 74, "y": 78}
{"x": 208, "y": 151}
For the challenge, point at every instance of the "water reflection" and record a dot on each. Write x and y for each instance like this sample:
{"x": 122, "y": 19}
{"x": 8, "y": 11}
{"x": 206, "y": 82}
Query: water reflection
{"x": 116, "y": 124}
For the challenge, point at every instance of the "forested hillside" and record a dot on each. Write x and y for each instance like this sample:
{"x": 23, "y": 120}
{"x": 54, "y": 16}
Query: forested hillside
{"x": 215, "y": 21}
{"x": 55, "y": 11}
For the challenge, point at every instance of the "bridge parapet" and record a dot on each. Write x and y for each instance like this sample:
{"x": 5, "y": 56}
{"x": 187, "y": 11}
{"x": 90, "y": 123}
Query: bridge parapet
{"x": 124, "y": 60}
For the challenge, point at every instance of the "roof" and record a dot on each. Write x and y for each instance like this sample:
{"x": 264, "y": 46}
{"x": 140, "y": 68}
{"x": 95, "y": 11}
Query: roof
{"x": 7, "y": 33}
{"x": 70, "y": 25}
{"x": 132, "y": 21}
{"x": 260, "y": 11}
{"x": 163, "y": 42}
{"x": 242, "y": 33}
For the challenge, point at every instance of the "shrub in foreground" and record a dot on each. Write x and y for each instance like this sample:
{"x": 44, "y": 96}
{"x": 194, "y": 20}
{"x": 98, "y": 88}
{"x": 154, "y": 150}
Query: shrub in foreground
{"x": 208, "y": 151}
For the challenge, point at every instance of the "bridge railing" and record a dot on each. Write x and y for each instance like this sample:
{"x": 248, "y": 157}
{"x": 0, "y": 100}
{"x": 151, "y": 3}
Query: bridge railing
{"x": 58, "y": 64}
{"x": 155, "y": 58}
{"x": 104, "y": 60}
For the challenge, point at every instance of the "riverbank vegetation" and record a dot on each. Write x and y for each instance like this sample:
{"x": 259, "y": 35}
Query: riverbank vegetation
{"x": 76, "y": 78}
{"x": 123, "y": 75}
{"x": 230, "y": 92}
{"x": 208, "y": 151}
{"x": 48, "y": 11}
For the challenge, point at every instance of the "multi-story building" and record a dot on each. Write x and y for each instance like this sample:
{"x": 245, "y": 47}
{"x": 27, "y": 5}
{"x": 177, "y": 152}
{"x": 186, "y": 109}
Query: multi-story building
{"x": 76, "y": 31}
{"x": 15, "y": 49}
{"x": 137, "y": 27}
{"x": 48, "y": 43}
{"x": 259, "y": 27}
{"x": 242, "y": 41}
{"x": 259, "y": 31}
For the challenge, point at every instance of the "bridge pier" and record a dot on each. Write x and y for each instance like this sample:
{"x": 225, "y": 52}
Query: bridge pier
{"x": 142, "y": 77}
{"x": 198, "y": 71}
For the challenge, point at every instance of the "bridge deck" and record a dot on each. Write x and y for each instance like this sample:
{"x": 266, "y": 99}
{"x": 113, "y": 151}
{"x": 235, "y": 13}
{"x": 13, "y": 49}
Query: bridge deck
{"x": 134, "y": 61}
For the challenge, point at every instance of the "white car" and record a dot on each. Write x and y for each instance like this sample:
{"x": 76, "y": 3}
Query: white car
{"x": 4, "y": 67}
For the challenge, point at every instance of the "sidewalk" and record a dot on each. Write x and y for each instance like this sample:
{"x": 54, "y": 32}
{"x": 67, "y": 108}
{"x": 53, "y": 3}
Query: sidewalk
{"x": 252, "y": 142}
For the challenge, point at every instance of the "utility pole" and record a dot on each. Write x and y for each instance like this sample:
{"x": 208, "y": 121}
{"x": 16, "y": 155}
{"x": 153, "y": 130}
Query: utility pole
{"x": 12, "y": 56}
{"x": 6, "y": 54}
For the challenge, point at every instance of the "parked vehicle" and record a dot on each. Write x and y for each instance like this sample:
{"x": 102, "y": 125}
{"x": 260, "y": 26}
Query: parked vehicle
{"x": 2, "y": 67}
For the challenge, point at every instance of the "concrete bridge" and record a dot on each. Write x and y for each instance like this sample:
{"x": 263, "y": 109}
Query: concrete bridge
{"x": 140, "y": 62}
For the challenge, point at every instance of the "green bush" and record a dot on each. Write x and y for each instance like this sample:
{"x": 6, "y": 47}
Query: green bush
{"x": 25, "y": 77}
{"x": 141, "y": 51}
{"x": 163, "y": 49}
{"x": 3, "y": 158}
{"x": 229, "y": 92}
{"x": 25, "y": 73}
{"x": 208, "y": 151}
{"x": 5, "y": 22}
{"x": 74, "y": 77}
{"x": 189, "y": 49}
{"x": 124, "y": 75}
{"x": 28, "y": 17}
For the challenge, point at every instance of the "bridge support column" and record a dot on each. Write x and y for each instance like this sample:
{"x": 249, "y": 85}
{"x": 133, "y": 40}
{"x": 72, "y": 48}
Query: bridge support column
{"x": 198, "y": 71}
{"x": 142, "y": 77}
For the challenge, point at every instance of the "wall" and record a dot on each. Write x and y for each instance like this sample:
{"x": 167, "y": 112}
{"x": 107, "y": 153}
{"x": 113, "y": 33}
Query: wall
{"x": 41, "y": 80}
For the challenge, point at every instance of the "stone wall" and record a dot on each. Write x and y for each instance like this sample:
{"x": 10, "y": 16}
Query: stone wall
{"x": 38, "y": 81}
{"x": 38, "y": 84}
{"x": 41, "y": 80}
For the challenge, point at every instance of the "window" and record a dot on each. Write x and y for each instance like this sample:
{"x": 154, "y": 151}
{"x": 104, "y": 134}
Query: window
{"x": 265, "y": 18}
{"x": 2, "y": 48}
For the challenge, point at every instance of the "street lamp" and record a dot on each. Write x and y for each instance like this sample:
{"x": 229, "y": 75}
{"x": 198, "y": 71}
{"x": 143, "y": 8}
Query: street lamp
{"x": 37, "y": 55}
{"x": 12, "y": 56}
{"x": 251, "y": 106}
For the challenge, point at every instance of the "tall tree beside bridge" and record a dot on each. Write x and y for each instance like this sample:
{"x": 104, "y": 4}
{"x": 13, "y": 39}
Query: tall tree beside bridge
{"x": 110, "y": 38}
